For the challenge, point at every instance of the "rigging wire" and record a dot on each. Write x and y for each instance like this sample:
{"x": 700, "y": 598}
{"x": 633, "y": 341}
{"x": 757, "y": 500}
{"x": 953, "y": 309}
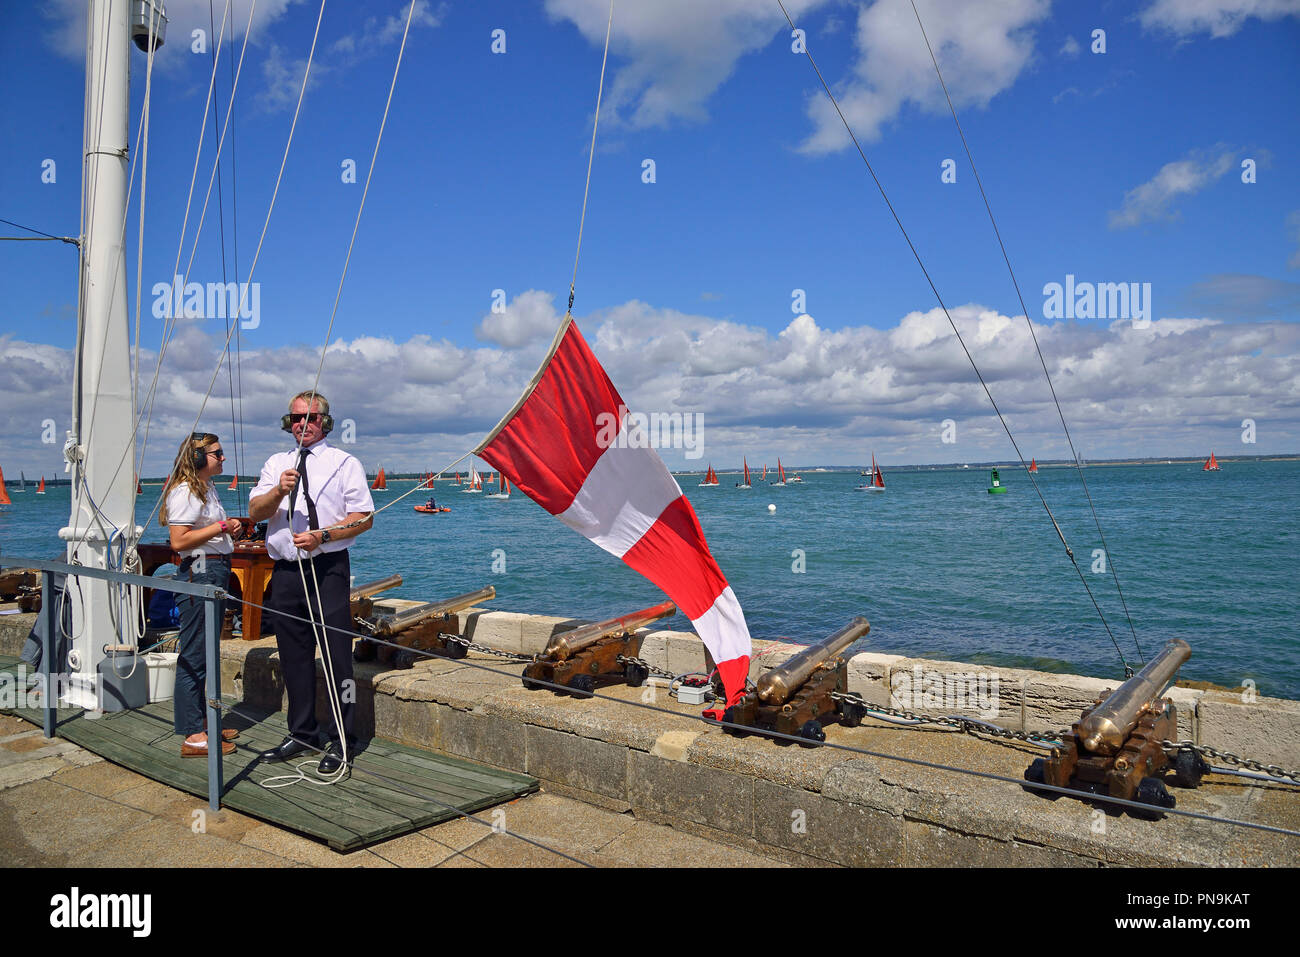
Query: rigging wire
{"x": 71, "y": 241}
{"x": 591, "y": 155}
{"x": 221, "y": 210}
{"x": 1019, "y": 295}
{"x": 942, "y": 305}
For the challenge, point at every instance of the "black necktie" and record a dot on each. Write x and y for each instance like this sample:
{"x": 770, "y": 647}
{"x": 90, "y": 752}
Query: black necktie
{"x": 312, "y": 521}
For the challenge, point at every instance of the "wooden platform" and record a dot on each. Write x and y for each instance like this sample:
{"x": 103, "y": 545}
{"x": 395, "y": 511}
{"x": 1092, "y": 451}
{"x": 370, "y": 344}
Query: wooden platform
{"x": 392, "y": 790}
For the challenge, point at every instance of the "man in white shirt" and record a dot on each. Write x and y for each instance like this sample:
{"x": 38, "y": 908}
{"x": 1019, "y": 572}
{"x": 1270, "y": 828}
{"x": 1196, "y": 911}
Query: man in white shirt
{"x": 317, "y": 500}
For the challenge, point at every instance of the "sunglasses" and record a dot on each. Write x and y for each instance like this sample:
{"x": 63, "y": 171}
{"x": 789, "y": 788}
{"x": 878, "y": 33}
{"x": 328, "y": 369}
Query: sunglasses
{"x": 296, "y": 417}
{"x": 219, "y": 453}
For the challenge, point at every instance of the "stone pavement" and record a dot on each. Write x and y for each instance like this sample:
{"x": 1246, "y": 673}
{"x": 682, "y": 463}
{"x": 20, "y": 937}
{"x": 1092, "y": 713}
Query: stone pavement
{"x": 61, "y": 806}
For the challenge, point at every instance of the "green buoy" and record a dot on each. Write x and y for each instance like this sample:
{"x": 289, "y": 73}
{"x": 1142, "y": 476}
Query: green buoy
{"x": 995, "y": 486}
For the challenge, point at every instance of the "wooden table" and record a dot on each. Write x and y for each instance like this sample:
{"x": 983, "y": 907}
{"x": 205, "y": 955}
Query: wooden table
{"x": 250, "y": 566}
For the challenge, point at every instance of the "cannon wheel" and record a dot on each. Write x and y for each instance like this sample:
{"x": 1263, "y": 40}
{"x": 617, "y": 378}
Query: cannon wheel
{"x": 1152, "y": 791}
{"x": 730, "y": 716}
{"x": 403, "y": 658}
{"x": 582, "y": 686}
{"x": 851, "y": 714}
{"x": 635, "y": 675}
{"x": 530, "y": 684}
{"x": 1189, "y": 768}
{"x": 813, "y": 731}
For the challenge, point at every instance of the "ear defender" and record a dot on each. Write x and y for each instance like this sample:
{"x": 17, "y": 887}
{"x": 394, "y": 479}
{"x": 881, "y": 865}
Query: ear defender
{"x": 198, "y": 457}
{"x": 326, "y": 423}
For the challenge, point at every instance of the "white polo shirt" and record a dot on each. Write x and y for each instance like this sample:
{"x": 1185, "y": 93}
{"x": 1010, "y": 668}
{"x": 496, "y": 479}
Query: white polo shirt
{"x": 337, "y": 484}
{"x": 185, "y": 508}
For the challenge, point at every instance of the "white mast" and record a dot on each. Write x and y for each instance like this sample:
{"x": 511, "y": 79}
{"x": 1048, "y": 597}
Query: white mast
{"x": 103, "y": 504}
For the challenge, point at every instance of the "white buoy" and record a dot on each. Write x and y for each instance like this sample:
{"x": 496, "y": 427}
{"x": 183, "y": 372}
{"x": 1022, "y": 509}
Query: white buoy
{"x": 771, "y": 508}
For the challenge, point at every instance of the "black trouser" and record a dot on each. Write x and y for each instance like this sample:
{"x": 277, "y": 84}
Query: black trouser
{"x": 297, "y": 643}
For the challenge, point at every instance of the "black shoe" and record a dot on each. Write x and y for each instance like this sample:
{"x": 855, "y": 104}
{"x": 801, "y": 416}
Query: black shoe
{"x": 287, "y": 749}
{"x": 332, "y": 759}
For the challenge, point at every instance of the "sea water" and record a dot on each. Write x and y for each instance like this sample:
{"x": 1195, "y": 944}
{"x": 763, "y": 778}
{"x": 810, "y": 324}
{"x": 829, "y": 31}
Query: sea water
{"x": 939, "y": 567}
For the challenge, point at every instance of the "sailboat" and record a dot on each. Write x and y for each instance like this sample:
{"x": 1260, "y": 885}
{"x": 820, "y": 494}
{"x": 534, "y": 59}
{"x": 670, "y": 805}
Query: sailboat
{"x": 22, "y": 483}
{"x": 1033, "y": 465}
{"x": 234, "y": 483}
{"x": 475, "y": 482}
{"x": 40, "y": 489}
{"x": 780, "y": 476}
{"x": 503, "y": 490}
{"x": 876, "y": 483}
{"x": 745, "y": 484}
{"x": 381, "y": 482}
{"x": 1211, "y": 464}
{"x": 4, "y": 493}
{"x": 710, "y": 478}
{"x": 764, "y": 471}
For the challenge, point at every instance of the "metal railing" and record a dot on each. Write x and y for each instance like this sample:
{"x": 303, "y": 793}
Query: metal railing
{"x": 212, "y": 597}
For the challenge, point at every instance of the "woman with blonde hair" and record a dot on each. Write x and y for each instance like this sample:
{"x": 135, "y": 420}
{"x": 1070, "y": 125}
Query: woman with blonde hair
{"x": 201, "y": 533}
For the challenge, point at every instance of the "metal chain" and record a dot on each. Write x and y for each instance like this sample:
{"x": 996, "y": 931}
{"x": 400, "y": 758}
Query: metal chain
{"x": 967, "y": 725}
{"x": 657, "y": 672}
{"x": 1172, "y": 747}
{"x": 484, "y": 649}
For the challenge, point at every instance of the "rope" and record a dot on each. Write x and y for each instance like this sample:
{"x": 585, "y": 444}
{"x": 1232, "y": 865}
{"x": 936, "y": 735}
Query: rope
{"x": 917, "y": 256}
{"x": 265, "y": 225}
{"x": 319, "y": 636}
{"x": 1019, "y": 295}
{"x": 591, "y": 155}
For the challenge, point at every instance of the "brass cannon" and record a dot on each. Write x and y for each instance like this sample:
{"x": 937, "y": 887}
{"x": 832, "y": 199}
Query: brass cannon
{"x": 431, "y": 627}
{"x": 577, "y": 658}
{"x": 359, "y": 597}
{"x": 796, "y": 697}
{"x": 1115, "y": 746}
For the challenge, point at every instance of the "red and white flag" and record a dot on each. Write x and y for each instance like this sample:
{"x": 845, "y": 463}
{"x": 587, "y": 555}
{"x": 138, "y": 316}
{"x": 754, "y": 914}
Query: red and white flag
{"x": 567, "y": 444}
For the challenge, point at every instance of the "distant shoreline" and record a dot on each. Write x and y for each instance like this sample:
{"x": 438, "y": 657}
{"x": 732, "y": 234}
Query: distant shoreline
{"x": 827, "y": 469}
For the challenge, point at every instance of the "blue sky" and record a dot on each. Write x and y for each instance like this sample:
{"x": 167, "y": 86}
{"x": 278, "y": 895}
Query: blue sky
{"x": 1123, "y": 166}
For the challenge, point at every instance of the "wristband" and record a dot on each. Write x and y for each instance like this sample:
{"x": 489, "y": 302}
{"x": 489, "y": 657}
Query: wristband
{"x": 222, "y": 524}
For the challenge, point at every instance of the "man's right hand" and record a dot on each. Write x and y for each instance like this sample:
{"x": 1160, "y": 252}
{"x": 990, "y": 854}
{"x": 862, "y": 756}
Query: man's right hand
{"x": 288, "y": 479}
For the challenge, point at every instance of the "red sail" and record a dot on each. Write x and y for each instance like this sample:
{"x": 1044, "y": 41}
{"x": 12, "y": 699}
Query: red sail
{"x": 1211, "y": 464}
{"x": 880, "y": 479}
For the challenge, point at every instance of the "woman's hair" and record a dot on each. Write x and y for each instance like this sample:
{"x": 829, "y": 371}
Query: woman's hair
{"x": 184, "y": 470}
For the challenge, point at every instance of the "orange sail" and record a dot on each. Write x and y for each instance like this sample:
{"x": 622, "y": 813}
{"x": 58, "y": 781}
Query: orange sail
{"x": 381, "y": 483}
{"x": 40, "y": 489}
{"x": 764, "y": 471}
{"x": 746, "y": 471}
{"x": 780, "y": 473}
{"x": 1033, "y": 465}
{"x": 1211, "y": 464}
{"x": 234, "y": 483}
{"x": 880, "y": 477}
{"x": 4, "y": 493}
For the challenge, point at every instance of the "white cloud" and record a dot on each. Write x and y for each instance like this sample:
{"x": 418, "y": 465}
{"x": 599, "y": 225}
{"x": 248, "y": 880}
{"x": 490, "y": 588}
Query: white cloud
{"x": 676, "y": 53}
{"x": 530, "y": 317}
{"x": 808, "y": 391}
{"x": 67, "y": 18}
{"x": 1070, "y": 48}
{"x": 1151, "y": 201}
{"x": 1219, "y": 18}
{"x": 981, "y": 48}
